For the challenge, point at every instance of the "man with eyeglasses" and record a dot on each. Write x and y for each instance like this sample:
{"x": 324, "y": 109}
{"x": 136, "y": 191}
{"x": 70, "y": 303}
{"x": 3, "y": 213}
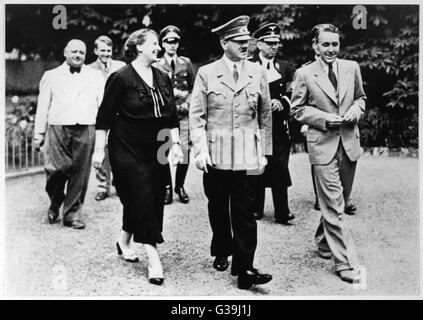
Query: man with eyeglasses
{"x": 181, "y": 71}
{"x": 328, "y": 96}
{"x": 280, "y": 75}
{"x": 231, "y": 130}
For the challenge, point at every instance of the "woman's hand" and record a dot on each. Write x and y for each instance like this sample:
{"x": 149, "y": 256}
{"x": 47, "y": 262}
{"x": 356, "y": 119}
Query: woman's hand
{"x": 176, "y": 155}
{"x": 98, "y": 158}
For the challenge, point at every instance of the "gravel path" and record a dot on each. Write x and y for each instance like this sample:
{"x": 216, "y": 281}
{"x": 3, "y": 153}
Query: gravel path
{"x": 50, "y": 260}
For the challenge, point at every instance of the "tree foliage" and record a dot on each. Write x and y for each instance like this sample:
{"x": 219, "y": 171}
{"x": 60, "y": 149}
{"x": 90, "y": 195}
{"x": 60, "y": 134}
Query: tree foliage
{"x": 387, "y": 50}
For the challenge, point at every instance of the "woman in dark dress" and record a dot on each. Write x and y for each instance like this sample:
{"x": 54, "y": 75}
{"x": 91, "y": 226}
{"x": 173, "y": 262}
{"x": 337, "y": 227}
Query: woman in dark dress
{"x": 139, "y": 105}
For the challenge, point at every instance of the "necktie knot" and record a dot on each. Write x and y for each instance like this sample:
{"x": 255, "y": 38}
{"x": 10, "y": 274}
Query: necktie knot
{"x": 235, "y": 73}
{"x": 73, "y": 69}
{"x": 268, "y": 66}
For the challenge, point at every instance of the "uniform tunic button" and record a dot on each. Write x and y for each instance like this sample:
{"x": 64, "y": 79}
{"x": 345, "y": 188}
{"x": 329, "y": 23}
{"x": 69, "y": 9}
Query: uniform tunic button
{"x": 236, "y": 116}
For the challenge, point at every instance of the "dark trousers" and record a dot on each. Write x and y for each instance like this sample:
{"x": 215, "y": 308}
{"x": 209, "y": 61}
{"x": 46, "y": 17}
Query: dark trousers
{"x": 68, "y": 160}
{"x": 230, "y": 198}
{"x": 104, "y": 174}
{"x": 280, "y": 199}
{"x": 181, "y": 171}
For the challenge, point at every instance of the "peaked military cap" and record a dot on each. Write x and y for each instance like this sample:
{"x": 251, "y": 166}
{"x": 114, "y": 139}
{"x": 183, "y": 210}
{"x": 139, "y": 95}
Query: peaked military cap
{"x": 236, "y": 29}
{"x": 268, "y": 33}
{"x": 170, "y": 33}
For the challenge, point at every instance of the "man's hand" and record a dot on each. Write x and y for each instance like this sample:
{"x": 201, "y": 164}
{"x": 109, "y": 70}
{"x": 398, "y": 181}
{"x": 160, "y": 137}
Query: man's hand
{"x": 304, "y": 129}
{"x": 202, "y": 160}
{"x": 176, "y": 155}
{"x": 180, "y": 93}
{"x": 262, "y": 163}
{"x": 276, "y": 105}
{"x": 353, "y": 114}
{"x": 38, "y": 141}
{"x": 334, "y": 121}
{"x": 183, "y": 109}
{"x": 98, "y": 158}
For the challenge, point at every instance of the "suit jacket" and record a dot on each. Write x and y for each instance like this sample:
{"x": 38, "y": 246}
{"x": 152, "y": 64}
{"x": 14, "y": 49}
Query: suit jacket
{"x": 115, "y": 65}
{"x": 314, "y": 97}
{"x": 231, "y": 121}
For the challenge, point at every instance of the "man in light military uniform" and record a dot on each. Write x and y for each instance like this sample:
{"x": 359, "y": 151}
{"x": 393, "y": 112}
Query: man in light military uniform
{"x": 231, "y": 131}
{"x": 103, "y": 49}
{"x": 280, "y": 74}
{"x": 181, "y": 72}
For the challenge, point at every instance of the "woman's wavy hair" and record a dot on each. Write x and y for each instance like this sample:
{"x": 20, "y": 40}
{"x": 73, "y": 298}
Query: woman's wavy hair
{"x": 137, "y": 37}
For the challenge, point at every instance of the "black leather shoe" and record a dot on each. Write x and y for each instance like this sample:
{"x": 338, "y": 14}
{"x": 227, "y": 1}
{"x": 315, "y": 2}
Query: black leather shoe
{"x": 76, "y": 224}
{"x": 350, "y": 209}
{"x": 168, "y": 196}
{"x": 183, "y": 197}
{"x": 221, "y": 263}
{"x": 317, "y": 205}
{"x": 290, "y": 216}
{"x": 247, "y": 278}
{"x": 257, "y": 215}
{"x": 156, "y": 281}
{"x": 52, "y": 216}
{"x": 283, "y": 221}
{"x": 100, "y": 196}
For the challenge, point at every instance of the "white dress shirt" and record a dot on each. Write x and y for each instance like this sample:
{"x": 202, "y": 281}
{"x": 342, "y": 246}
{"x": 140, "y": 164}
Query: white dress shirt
{"x": 272, "y": 73}
{"x": 67, "y": 98}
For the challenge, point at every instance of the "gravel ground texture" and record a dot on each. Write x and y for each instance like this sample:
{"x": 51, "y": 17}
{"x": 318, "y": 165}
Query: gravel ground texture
{"x": 51, "y": 260}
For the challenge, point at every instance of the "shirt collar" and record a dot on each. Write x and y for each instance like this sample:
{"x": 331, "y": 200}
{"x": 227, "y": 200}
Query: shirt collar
{"x": 264, "y": 61}
{"x": 169, "y": 58}
{"x": 326, "y": 66}
{"x": 231, "y": 63}
{"x": 109, "y": 63}
{"x": 66, "y": 67}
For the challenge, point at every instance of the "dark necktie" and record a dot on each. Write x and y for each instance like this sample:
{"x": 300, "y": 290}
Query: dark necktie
{"x": 332, "y": 77}
{"x": 172, "y": 65}
{"x": 235, "y": 73}
{"x": 268, "y": 66}
{"x": 106, "y": 67}
{"x": 73, "y": 69}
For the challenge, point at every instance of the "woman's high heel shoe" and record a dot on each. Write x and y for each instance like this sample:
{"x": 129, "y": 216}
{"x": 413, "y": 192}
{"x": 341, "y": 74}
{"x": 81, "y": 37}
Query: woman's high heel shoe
{"x": 155, "y": 277}
{"x": 132, "y": 257}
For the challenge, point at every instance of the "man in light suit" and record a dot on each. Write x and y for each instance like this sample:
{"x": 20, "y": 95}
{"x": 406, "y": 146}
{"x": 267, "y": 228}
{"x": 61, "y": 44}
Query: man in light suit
{"x": 66, "y": 112}
{"x": 103, "y": 49}
{"x": 231, "y": 131}
{"x": 328, "y": 96}
{"x": 181, "y": 72}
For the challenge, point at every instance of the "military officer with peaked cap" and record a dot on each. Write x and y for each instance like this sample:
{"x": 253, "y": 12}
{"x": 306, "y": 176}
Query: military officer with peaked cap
{"x": 280, "y": 75}
{"x": 231, "y": 130}
{"x": 181, "y": 71}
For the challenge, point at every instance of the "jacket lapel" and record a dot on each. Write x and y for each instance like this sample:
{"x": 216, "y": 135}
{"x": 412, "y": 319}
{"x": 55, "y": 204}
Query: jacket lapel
{"x": 323, "y": 82}
{"x": 225, "y": 75}
{"x": 245, "y": 76}
{"x": 343, "y": 76}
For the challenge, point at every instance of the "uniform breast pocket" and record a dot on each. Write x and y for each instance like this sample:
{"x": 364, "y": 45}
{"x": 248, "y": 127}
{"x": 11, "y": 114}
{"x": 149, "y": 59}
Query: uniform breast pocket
{"x": 216, "y": 97}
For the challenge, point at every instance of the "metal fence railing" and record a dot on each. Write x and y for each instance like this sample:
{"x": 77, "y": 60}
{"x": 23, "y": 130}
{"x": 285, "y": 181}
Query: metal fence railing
{"x": 20, "y": 155}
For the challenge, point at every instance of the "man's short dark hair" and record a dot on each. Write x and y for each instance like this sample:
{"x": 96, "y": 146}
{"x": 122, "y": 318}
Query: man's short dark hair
{"x": 323, "y": 27}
